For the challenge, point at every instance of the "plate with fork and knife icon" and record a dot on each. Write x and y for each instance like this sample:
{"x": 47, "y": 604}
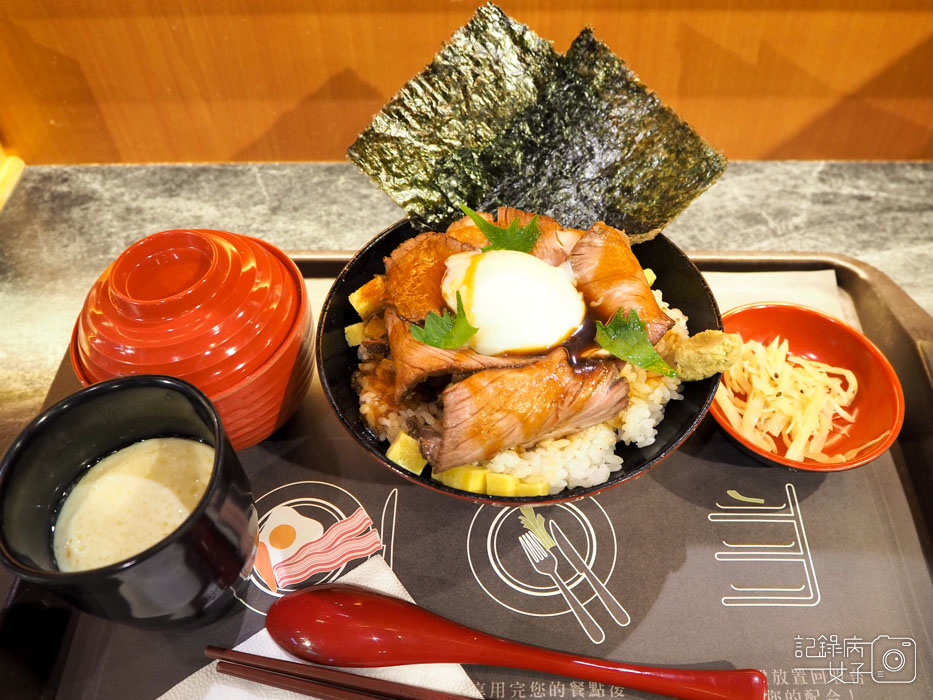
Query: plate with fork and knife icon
{"x": 552, "y": 561}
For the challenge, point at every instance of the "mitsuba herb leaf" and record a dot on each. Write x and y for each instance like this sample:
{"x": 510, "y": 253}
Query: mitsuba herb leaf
{"x": 445, "y": 331}
{"x": 627, "y": 339}
{"x": 514, "y": 237}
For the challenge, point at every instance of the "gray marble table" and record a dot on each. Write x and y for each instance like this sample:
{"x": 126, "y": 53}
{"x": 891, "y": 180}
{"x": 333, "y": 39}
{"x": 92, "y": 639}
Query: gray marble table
{"x": 63, "y": 225}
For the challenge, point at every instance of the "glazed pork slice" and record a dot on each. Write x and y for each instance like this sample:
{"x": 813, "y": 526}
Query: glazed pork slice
{"x": 466, "y": 231}
{"x": 415, "y": 361}
{"x": 414, "y": 272}
{"x": 610, "y": 278}
{"x": 553, "y": 246}
{"x": 498, "y": 409}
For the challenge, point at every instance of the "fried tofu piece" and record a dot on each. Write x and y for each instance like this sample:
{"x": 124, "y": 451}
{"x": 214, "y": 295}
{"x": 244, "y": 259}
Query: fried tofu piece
{"x": 531, "y": 488}
{"x": 375, "y": 327}
{"x": 370, "y": 298}
{"x": 498, "y": 484}
{"x": 372, "y": 330}
{"x": 406, "y": 452}
{"x": 355, "y": 333}
{"x": 466, "y": 478}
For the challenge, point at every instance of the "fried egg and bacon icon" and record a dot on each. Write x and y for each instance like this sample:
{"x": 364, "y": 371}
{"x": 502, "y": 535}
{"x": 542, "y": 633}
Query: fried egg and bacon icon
{"x": 292, "y": 547}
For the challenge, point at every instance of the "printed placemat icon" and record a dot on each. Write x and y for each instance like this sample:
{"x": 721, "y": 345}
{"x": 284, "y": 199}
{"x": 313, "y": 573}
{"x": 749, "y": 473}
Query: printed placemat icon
{"x": 309, "y": 532}
{"x": 548, "y": 562}
{"x": 767, "y": 551}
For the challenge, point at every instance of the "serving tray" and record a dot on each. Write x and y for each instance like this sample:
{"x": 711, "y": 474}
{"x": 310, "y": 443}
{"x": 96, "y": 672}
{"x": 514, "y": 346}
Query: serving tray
{"x": 822, "y": 581}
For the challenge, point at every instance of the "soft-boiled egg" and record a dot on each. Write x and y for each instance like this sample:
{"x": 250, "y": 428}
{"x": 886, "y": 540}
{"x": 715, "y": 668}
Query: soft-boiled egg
{"x": 518, "y": 302}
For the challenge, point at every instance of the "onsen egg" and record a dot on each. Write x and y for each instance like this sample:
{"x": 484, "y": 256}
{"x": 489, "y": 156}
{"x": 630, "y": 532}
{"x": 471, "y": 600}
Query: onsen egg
{"x": 518, "y": 302}
{"x": 283, "y": 532}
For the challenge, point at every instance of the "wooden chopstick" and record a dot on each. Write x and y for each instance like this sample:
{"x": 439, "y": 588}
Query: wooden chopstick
{"x": 293, "y": 683}
{"x": 324, "y": 683}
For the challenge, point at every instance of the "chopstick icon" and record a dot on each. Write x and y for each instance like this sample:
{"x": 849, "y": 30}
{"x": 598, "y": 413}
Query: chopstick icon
{"x": 323, "y": 683}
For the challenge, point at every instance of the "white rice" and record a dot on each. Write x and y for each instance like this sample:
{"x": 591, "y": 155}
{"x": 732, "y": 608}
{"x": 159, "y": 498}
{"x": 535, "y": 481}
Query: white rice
{"x": 585, "y": 458}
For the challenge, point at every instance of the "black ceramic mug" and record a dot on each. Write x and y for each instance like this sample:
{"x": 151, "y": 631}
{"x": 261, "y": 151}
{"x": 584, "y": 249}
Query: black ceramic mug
{"x": 192, "y": 574}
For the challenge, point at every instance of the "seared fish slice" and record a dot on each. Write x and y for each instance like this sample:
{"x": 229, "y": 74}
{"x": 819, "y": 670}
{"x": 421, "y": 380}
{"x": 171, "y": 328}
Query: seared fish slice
{"x": 497, "y": 409}
{"x": 415, "y": 361}
{"x": 610, "y": 278}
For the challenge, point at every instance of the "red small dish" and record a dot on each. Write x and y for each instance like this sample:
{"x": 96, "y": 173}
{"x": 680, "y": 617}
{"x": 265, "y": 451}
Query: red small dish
{"x": 878, "y": 405}
{"x": 226, "y": 312}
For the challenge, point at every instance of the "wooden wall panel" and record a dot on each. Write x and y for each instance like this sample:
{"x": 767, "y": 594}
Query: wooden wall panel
{"x": 234, "y": 80}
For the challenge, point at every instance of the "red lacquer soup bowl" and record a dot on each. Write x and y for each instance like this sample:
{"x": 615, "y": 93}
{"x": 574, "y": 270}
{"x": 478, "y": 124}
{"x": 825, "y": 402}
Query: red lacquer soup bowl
{"x": 228, "y": 313}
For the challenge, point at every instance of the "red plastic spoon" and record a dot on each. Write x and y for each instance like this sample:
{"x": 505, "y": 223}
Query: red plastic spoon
{"x": 340, "y": 625}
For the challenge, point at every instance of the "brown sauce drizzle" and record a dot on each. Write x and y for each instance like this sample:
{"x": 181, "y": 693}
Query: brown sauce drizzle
{"x": 581, "y": 340}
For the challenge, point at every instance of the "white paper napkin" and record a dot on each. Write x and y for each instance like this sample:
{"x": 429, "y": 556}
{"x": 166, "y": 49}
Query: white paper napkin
{"x": 374, "y": 574}
{"x": 814, "y": 288}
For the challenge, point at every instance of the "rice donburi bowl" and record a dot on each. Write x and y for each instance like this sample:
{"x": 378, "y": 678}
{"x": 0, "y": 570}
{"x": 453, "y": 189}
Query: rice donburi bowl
{"x": 637, "y": 417}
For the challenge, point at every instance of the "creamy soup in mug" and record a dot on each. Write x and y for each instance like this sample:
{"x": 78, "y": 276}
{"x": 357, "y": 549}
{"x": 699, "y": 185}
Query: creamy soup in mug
{"x": 129, "y": 501}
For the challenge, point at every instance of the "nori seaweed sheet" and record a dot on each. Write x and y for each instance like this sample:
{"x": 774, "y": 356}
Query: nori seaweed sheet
{"x": 438, "y": 142}
{"x": 499, "y": 117}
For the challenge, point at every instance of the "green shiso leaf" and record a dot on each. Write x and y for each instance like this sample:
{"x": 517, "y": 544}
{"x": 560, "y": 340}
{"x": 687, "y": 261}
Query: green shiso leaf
{"x": 445, "y": 331}
{"x": 627, "y": 339}
{"x": 499, "y": 117}
{"x": 514, "y": 237}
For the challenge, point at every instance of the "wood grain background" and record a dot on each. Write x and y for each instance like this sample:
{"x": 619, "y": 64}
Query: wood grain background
{"x": 253, "y": 80}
